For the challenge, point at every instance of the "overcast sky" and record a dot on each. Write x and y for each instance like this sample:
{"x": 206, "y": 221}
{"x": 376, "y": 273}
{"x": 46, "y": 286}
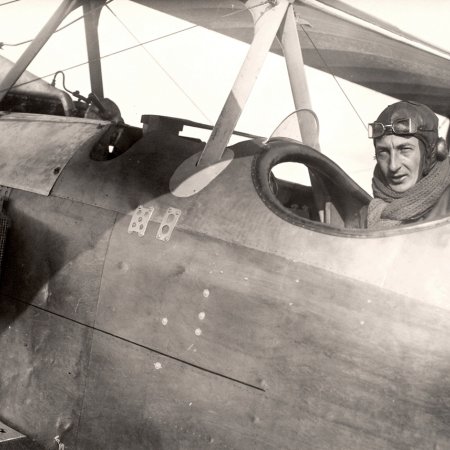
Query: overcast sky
{"x": 189, "y": 75}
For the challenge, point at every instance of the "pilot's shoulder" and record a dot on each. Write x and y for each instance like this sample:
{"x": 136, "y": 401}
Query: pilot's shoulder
{"x": 442, "y": 207}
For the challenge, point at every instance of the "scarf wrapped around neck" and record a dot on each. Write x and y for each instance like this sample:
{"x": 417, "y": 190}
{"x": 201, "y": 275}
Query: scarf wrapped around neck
{"x": 390, "y": 208}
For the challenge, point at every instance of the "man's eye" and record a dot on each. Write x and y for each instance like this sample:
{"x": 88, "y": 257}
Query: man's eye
{"x": 382, "y": 153}
{"x": 406, "y": 150}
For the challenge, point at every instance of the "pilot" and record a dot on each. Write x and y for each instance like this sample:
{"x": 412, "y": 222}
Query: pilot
{"x": 411, "y": 180}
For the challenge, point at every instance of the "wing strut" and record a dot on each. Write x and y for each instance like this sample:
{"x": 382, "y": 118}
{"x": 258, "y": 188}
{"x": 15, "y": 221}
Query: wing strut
{"x": 91, "y": 11}
{"x": 288, "y": 38}
{"x": 274, "y": 18}
{"x": 38, "y": 42}
{"x": 267, "y": 20}
{"x": 271, "y": 19}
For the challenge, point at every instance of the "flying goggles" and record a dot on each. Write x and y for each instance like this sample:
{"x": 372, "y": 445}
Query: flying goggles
{"x": 399, "y": 126}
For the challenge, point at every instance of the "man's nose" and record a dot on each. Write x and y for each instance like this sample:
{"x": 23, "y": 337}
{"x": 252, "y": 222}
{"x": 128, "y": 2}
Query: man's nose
{"x": 394, "y": 162}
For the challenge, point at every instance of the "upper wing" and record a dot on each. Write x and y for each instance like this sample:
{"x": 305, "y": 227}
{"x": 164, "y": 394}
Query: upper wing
{"x": 343, "y": 47}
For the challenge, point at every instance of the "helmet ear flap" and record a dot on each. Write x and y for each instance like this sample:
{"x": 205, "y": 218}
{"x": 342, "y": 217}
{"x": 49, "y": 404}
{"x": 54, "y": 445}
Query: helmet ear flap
{"x": 441, "y": 149}
{"x": 439, "y": 152}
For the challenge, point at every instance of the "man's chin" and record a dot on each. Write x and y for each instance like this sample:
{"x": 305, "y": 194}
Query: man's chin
{"x": 401, "y": 187}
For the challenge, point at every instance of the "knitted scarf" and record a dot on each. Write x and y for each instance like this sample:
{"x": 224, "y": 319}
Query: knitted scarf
{"x": 390, "y": 208}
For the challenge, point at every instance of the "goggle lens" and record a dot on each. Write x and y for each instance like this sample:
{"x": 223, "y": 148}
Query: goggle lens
{"x": 399, "y": 126}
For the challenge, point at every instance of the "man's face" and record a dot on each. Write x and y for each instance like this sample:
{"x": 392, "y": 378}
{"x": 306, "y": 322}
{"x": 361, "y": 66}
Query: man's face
{"x": 399, "y": 160}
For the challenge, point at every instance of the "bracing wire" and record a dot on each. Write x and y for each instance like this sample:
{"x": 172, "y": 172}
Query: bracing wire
{"x": 17, "y": 44}
{"x": 197, "y": 107}
{"x": 106, "y": 56}
{"x": 238, "y": 11}
{"x": 136, "y": 45}
{"x": 334, "y": 77}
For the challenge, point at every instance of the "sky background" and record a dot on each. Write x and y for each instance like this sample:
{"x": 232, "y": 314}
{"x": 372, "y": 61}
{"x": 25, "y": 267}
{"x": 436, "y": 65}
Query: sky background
{"x": 190, "y": 74}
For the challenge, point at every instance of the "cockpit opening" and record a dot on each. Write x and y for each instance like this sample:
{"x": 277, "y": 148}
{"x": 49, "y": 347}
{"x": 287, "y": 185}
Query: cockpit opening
{"x": 291, "y": 184}
{"x": 333, "y": 198}
{"x": 302, "y": 185}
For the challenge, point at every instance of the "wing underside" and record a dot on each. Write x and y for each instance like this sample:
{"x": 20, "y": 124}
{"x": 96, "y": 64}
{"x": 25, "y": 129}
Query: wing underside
{"x": 342, "y": 47}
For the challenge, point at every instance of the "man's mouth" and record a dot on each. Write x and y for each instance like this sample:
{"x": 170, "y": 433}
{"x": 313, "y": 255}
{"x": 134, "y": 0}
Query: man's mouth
{"x": 398, "y": 179}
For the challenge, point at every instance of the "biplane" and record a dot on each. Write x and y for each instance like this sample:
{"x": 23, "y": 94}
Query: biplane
{"x": 161, "y": 291}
